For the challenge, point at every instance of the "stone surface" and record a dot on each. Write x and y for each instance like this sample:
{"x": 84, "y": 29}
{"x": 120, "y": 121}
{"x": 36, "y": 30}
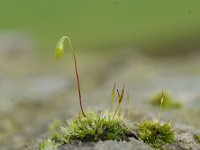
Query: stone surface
{"x": 184, "y": 139}
{"x": 108, "y": 145}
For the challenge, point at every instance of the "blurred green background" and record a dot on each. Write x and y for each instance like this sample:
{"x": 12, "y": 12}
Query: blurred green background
{"x": 96, "y": 25}
{"x": 115, "y": 41}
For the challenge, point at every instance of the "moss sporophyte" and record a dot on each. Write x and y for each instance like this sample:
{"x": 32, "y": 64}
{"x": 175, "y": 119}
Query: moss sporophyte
{"x": 92, "y": 127}
{"x": 59, "y": 50}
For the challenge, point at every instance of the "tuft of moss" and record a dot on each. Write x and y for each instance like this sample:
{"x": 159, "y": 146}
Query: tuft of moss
{"x": 197, "y": 137}
{"x": 155, "y": 134}
{"x": 95, "y": 127}
{"x": 55, "y": 131}
{"x": 168, "y": 101}
{"x": 48, "y": 144}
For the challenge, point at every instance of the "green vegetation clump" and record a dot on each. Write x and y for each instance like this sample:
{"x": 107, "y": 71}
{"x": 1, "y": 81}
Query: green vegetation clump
{"x": 55, "y": 132}
{"x": 48, "y": 144}
{"x": 155, "y": 134}
{"x": 95, "y": 127}
{"x": 197, "y": 137}
{"x": 168, "y": 102}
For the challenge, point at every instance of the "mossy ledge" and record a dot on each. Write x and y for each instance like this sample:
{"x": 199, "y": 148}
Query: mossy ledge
{"x": 92, "y": 128}
{"x": 155, "y": 134}
{"x": 102, "y": 127}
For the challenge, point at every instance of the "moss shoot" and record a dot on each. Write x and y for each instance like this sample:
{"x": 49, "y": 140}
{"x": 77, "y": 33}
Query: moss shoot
{"x": 155, "y": 134}
{"x": 168, "y": 102}
{"x": 48, "y": 144}
{"x": 92, "y": 128}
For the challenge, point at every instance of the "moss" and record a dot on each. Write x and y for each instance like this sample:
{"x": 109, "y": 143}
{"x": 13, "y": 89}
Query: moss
{"x": 48, "y": 144}
{"x": 95, "y": 127}
{"x": 197, "y": 137}
{"x": 92, "y": 128}
{"x": 55, "y": 132}
{"x": 168, "y": 101}
{"x": 155, "y": 134}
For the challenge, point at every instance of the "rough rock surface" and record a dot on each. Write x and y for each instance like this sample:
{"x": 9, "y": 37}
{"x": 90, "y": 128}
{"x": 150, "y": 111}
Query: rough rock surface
{"x": 108, "y": 145}
{"x": 184, "y": 140}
